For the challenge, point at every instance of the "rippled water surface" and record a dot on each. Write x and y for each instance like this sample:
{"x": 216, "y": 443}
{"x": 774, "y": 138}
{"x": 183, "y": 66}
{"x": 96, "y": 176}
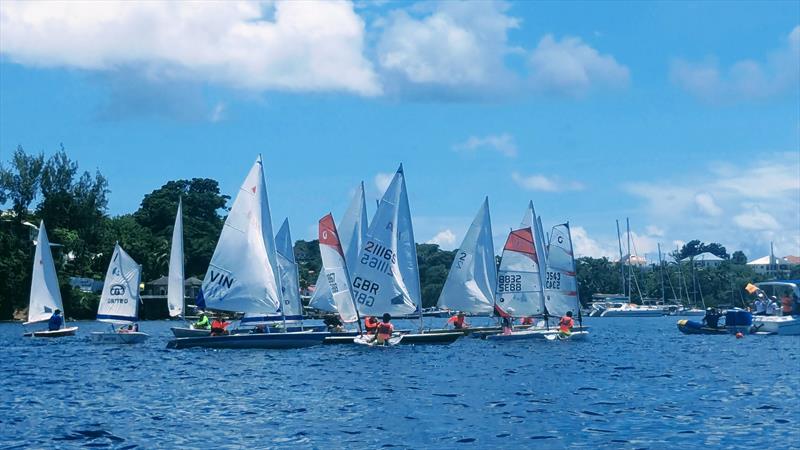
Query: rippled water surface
{"x": 636, "y": 383}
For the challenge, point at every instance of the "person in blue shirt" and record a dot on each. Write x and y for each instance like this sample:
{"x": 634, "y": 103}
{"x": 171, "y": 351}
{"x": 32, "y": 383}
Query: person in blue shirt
{"x": 55, "y": 321}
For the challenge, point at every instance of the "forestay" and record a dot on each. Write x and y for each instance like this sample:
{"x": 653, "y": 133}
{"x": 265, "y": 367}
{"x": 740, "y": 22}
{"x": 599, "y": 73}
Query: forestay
{"x": 519, "y": 291}
{"x": 561, "y": 293}
{"x": 287, "y": 268}
{"x": 352, "y": 234}
{"x": 45, "y": 294}
{"x": 175, "y": 287}
{"x": 472, "y": 279}
{"x": 241, "y": 275}
{"x": 119, "y": 302}
{"x": 336, "y": 276}
{"x": 386, "y": 277}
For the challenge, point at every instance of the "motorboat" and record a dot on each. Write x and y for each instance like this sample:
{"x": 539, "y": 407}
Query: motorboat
{"x": 787, "y": 324}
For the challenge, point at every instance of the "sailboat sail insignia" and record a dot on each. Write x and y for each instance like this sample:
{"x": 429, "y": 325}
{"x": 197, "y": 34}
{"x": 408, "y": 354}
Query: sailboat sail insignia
{"x": 119, "y": 302}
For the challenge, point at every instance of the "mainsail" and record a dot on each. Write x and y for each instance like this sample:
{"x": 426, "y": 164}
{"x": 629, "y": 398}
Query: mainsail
{"x": 175, "y": 287}
{"x": 519, "y": 291}
{"x": 561, "y": 293}
{"x": 287, "y": 268}
{"x": 119, "y": 302}
{"x": 45, "y": 295}
{"x": 335, "y": 269}
{"x": 352, "y": 234}
{"x": 241, "y": 276}
{"x": 472, "y": 279}
{"x": 386, "y": 277}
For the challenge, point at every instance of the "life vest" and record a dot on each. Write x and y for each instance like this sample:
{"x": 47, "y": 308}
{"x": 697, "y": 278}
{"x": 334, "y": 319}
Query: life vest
{"x": 457, "y": 321}
{"x": 371, "y": 324}
{"x": 385, "y": 330}
{"x": 786, "y": 306}
{"x": 566, "y": 323}
{"x": 527, "y": 321}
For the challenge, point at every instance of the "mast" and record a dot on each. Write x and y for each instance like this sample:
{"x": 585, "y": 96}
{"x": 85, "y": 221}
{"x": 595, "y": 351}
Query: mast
{"x": 577, "y": 286}
{"x": 661, "y": 266}
{"x": 630, "y": 269}
{"x": 621, "y": 265}
{"x": 541, "y": 256}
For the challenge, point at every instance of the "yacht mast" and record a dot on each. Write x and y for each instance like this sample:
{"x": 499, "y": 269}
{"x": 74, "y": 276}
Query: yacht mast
{"x": 621, "y": 265}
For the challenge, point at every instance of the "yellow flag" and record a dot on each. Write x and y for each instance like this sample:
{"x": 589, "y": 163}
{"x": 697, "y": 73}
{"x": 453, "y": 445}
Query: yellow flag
{"x": 751, "y": 288}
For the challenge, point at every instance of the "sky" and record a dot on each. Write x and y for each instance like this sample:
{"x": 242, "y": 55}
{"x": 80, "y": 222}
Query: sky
{"x": 682, "y": 116}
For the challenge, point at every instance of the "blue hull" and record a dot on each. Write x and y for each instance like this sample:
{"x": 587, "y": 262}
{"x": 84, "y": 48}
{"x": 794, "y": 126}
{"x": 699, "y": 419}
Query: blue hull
{"x": 262, "y": 341}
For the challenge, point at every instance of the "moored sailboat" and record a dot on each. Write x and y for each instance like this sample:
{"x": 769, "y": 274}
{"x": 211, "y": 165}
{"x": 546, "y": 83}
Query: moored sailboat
{"x": 45, "y": 298}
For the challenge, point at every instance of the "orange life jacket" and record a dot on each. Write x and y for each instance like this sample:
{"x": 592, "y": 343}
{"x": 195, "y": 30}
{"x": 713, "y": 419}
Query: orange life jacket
{"x": 786, "y": 305}
{"x": 371, "y": 324}
{"x": 566, "y": 323}
{"x": 385, "y": 330}
{"x": 457, "y": 321}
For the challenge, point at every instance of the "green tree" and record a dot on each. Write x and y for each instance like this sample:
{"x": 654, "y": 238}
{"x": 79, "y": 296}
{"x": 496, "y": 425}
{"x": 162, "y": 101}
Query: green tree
{"x": 20, "y": 182}
{"x": 739, "y": 258}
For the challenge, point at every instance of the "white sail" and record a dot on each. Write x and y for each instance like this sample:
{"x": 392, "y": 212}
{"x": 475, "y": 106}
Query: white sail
{"x": 386, "y": 277}
{"x": 472, "y": 279}
{"x": 175, "y": 287}
{"x": 287, "y": 268}
{"x": 119, "y": 302}
{"x": 352, "y": 234}
{"x": 45, "y": 295}
{"x": 519, "y": 291}
{"x": 335, "y": 265}
{"x": 241, "y": 276}
{"x": 561, "y": 288}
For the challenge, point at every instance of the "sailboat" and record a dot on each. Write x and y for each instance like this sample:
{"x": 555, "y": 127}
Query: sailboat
{"x": 45, "y": 296}
{"x": 175, "y": 286}
{"x": 352, "y": 231}
{"x": 243, "y": 273}
{"x": 561, "y": 286}
{"x": 386, "y": 277}
{"x": 119, "y": 302}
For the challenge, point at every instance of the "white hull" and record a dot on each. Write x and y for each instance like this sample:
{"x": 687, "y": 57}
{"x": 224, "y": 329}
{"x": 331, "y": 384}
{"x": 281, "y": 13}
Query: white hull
{"x": 371, "y": 341}
{"x": 189, "y": 332}
{"x": 136, "y": 337}
{"x": 783, "y": 325}
{"x": 69, "y": 331}
{"x": 690, "y": 313}
{"x": 633, "y": 312}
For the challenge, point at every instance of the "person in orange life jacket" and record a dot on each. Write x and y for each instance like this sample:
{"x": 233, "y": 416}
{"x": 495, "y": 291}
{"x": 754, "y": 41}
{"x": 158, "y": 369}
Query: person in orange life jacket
{"x": 385, "y": 329}
{"x": 458, "y": 321}
{"x": 566, "y": 323}
{"x": 786, "y": 305}
{"x": 527, "y": 321}
{"x": 370, "y": 324}
{"x": 508, "y": 325}
{"x": 218, "y": 327}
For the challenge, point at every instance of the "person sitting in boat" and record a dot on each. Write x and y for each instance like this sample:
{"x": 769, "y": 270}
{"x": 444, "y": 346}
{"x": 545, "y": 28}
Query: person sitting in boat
{"x": 772, "y": 306}
{"x": 334, "y": 323}
{"x": 760, "y": 305}
{"x": 458, "y": 321}
{"x": 508, "y": 325}
{"x": 566, "y": 323}
{"x": 55, "y": 322}
{"x": 218, "y": 327}
{"x": 125, "y": 329}
{"x": 786, "y": 305}
{"x": 370, "y": 324}
{"x": 527, "y": 320}
{"x": 384, "y": 330}
{"x": 711, "y": 319}
{"x": 202, "y": 324}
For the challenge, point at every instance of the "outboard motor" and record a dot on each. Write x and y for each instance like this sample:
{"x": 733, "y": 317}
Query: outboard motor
{"x": 738, "y": 321}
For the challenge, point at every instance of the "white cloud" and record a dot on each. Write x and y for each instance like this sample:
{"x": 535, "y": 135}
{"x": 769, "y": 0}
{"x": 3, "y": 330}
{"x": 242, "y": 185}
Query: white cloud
{"x": 586, "y": 246}
{"x": 218, "y": 113}
{"x": 538, "y": 182}
{"x": 455, "y": 46}
{"x": 743, "y": 207}
{"x": 502, "y": 143}
{"x": 746, "y": 79}
{"x": 653, "y": 230}
{"x": 572, "y": 67}
{"x": 445, "y": 239}
{"x": 382, "y": 181}
{"x": 705, "y": 203}
{"x": 285, "y": 45}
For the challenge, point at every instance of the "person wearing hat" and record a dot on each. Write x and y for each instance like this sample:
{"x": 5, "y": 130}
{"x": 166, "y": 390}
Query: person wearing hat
{"x": 711, "y": 319}
{"x": 385, "y": 330}
{"x": 55, "y": 321}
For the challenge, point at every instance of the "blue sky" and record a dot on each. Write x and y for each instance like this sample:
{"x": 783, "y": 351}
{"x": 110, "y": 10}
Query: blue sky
{"x": 683, "y": 116}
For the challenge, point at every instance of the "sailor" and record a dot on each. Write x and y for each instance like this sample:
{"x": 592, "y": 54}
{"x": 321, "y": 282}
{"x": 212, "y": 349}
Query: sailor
{"x": 370, "y": 324}
{"x": 334, "y": 323}
{"x": 786, "y": 305}
{"x": 55, "y": 321}
{"x": 566, "y": 323}
{"x": 711, "y": 319}
{"x": 218, "y": 327}
{"x": 508, "y": 325}
{"x": 202, "y": 324}
{"x": 772, "y": 306}
{"x": 385, "y": 329}
{"x": 760, "y": 305}
{"x": 527, "y": 320}
{"x": 458, "y": 321}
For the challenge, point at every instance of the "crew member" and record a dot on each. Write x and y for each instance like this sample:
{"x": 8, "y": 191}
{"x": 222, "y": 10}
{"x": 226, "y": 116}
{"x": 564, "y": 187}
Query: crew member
{"x": 458, "y": 321}
{"x": 772, "y": 306}
{"x": 761, "y": 304}
{"x": 566, "y": 323}
{"x": 508, "y": 325}
{"x": 370, "y": 324}
{"x": 786, "y": 305}
{"x": 334, "y": 323}
{"x": 203, "y": 323}
{"x": 385, "y": 329}
{"x": 55, "y": 321}
{"x": 527, "y": 320}
{"x": 218, "y": 327}
{"x": 711, "y": 319}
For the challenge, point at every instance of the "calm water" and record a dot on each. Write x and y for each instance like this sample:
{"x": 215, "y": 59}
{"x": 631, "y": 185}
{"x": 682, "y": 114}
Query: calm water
{"x": 636, "y": 383}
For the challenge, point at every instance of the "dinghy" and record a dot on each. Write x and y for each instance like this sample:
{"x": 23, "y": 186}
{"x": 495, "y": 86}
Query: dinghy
{"x": 243, "y": 274}
{"x": 386, "y": 276}
{"x": 561, "y": 284}
{"x": 119, "y": 302}
{"x": 45, "y": 298}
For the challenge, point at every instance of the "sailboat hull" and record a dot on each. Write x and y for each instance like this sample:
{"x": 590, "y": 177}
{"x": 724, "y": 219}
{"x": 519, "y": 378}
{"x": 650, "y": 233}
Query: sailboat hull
{"x": 180, "y": 332}
{"x": 118, "y": 338}
{"x": 441, "y": 338}
{"x": 551, "y": 334}
{"x": 69, "y": 331}
{"x": 261, "y": 341}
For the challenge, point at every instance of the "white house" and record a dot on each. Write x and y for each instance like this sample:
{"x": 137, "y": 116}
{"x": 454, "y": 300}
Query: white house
{"x": 704, "y": 260}
{"x": 771, "y": 265}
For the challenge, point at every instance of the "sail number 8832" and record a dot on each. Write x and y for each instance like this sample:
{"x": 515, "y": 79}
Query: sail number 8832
{"x": 509, "y": 283}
